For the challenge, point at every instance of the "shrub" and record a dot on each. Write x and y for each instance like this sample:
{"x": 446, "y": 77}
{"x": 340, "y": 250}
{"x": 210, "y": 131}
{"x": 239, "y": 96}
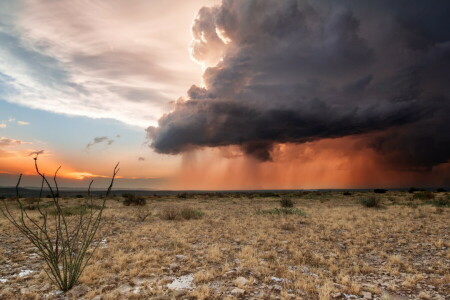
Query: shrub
{"x": 176, "y": 213}
{"x": 79, "y": 196}
{"x": 371, "y": 201}
{"x": 346, "y": 193}
{"x": 379, "y": 191}
{"x": 440, "y": 190}
{"x": 413, "y": 190}
{"x": 65, "y": 245}
{"x": 286, "y": 202}
{"x": 170, "y": 213}
{"x": 182, "y": 195}
{"x": 143, "y": 214}
{"x": 132, "y": 199}
{"x": 425, "y": 195}
{"x": 189, "y": 213}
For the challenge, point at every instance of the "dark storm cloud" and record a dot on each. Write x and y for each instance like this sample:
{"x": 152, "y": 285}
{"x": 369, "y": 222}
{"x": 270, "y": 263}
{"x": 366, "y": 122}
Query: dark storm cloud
{"x": 296, "y": 71}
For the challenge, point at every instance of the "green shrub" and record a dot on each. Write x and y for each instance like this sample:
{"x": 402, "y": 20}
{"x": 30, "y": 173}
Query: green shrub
{"x": 188, "y": 213}
{"x": 424, "y": 195}
{"x": 286, "y": 202}
{"x": 370, "y": 201}
{"x": 132, "y": 199}
{"x": 441, "y": 202}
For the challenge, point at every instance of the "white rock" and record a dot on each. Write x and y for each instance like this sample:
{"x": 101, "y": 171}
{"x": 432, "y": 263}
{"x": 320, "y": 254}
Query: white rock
{"x": 237, "y": 292}
{"x": 180, "y": 257}
{"x": 24, "y": 273}
{"x": 182, "y": 283}
{"x": 276, "y": 279}
{"x": 241, "y": 281}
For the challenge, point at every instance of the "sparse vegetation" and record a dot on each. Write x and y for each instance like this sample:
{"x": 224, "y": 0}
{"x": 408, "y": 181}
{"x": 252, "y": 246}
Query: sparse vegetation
{"x": 277, "y": 253}
{"x": 180, "y": 213}
{"x": 74, "y": 210}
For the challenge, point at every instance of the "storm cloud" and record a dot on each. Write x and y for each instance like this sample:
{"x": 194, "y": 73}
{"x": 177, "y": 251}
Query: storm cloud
{"x": 298, "y": 71}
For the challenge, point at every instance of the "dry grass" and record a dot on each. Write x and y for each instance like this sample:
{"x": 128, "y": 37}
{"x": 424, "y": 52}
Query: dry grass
{"x": 336, "y": 247}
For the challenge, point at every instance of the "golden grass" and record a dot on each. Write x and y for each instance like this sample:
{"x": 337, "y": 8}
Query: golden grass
{"x": 338, "y": 247}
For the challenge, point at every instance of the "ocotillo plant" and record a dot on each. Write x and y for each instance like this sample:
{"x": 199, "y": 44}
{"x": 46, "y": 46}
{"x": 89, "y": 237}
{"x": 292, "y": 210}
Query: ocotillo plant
{"x": 62, "y": 241}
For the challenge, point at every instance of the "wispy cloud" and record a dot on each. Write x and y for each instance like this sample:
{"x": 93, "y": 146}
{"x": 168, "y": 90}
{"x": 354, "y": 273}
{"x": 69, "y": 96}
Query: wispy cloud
{"x": 11, "y": 142}
{"x": 141, "y": 158}
{"x": 38, "y": 152}
{"x": 100, "y": 140}
{"x": 23, "y": 123}
{"x": 128, "y": 53}
{"x": 2, "y": 125}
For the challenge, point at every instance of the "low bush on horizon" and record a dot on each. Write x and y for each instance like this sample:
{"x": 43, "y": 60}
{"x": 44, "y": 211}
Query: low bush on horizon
{"x": 423, "y": 195}
{"x": 286, "y": 202}
{"x": 132, "y": 199}
{"x": 370, "y": 201}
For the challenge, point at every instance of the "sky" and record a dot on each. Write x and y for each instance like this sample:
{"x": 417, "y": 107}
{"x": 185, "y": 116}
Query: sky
{"x": 209, "y": 94}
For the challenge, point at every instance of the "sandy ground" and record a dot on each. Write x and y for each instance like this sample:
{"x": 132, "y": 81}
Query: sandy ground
{"x": 338, "y": 249}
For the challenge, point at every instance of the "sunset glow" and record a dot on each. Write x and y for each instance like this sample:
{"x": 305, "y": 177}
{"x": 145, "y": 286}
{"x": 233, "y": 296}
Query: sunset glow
{"x": 211, "y": 95}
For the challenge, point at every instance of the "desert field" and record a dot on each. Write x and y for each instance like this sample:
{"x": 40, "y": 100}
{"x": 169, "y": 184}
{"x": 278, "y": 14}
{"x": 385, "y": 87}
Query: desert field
{"x": 235, "y": 246}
